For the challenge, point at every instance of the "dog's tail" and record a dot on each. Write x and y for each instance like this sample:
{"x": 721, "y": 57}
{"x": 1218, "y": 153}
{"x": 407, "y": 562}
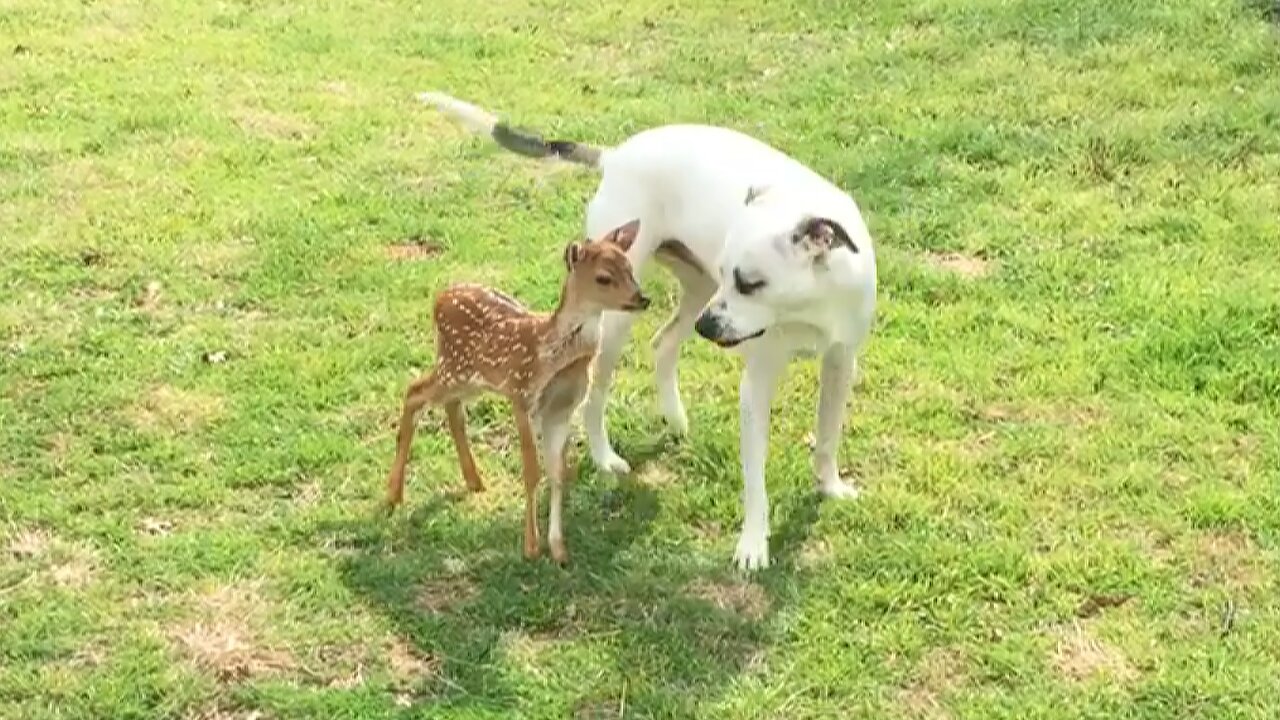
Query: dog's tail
{"x": 517, "y": 141}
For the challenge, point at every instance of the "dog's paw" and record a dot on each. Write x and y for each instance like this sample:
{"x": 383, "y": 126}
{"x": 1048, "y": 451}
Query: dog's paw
{"x": 753, "y": 551}
{"x": 838, "y": 490}
{"x": 677, "y": 420}
{"x": 613, "y": 464}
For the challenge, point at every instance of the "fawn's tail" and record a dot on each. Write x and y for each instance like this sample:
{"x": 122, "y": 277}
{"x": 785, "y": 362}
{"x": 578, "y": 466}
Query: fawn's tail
{"x": 521, "y": 142}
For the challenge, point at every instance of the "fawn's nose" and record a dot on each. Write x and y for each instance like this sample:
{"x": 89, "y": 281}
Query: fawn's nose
{"x": 641, "y": 301}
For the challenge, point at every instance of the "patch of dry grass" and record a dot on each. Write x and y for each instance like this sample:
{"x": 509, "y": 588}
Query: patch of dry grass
{"x": 938, "y": 672}
{"x": 740, "y": 597}
{"x": 225, "y": 634}
{"x": 1079, "y": 656}
{"x": 969, "y": 267}
{"x": 171, "y": 409}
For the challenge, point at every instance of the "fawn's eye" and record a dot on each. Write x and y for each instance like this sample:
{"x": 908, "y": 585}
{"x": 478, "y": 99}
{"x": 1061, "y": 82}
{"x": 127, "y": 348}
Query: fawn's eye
{"x": 604, "y": 280}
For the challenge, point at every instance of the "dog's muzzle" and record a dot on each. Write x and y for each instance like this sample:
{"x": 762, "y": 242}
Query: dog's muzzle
{"x": 712, "y": 328}
{"x": 708, "y": 326}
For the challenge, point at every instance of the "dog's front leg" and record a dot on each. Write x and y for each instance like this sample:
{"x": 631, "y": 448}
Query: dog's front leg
{"x": 839, "y": 364}
{"x": 759, "y": 381}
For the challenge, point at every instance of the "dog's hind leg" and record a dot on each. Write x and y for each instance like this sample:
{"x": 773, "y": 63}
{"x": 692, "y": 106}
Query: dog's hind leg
{"x": 696, "y": 289}
{"x": 838, "y": 367}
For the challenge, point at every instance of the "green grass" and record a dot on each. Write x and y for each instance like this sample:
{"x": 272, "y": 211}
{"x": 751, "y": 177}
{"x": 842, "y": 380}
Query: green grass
{"x": 1072, "y": 397}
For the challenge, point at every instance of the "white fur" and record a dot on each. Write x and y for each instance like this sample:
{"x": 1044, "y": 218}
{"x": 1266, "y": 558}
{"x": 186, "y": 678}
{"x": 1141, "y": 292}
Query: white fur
{"x": 473, "y": 118}
{"x": 689, "y": 183}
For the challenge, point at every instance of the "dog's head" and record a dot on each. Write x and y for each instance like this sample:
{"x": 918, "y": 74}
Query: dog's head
{"x": 776, "y": 268}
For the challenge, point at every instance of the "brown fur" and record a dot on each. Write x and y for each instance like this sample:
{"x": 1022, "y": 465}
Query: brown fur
{"x": 487, "y": 341}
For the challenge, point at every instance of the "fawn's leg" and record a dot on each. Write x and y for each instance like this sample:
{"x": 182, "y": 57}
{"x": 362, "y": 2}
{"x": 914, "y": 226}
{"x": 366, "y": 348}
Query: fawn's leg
{"x": 555, "y": 443}
{"x": 425, "y": 389}
{"x": 458, "y": 429}
{"x": 531, "y": 474}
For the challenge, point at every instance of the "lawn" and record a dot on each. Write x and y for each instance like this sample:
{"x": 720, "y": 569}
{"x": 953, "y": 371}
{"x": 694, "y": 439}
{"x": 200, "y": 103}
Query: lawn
{"x": 222, "y": 226}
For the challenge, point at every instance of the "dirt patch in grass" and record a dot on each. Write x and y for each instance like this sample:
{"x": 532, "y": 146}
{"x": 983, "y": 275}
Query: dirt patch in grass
{"x": 1052, "y": 413}
{"x": 441, "y": 595}
{"x": 148, "y": 300}
{"x": 190, "y": 149}
{"x": 220, "y": 713}
{"x": 224, "y": 635}
{"x": 226, "y": 649}
{"x": 707, "y": 530}
{"x": 272, "y": 125}
{"x": 656, "y": 475}
{"x": 64, "y": 564}
{"x": 527, "y": 650}
{"x": 307, "y": 494}
{"x": 1229, "y": 559}
{"x": 29, "y": 544}
{"x": 938, "y": 672}
{"x": 167, "y": 408}
{"x": 155, "y": 527}
{"x": 740, "y": 597}
{"x": 415, "y": 248}
{"x": 969, "y": 267}
{"x": 599, "y": 710}
{"x": 1080, "y": 656}
{"x": 815, "y": 552}
{"x": 227, "y": 257}
{"x": 59, "y": 449}
{"x": 75, "y": 568}
{"x": 409, "y": 667}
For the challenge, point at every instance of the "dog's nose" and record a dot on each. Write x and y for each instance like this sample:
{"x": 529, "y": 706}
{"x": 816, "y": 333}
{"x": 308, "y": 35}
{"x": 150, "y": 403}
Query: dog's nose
{"x": 642, "y": 302}
{"x": 707, "y": 326}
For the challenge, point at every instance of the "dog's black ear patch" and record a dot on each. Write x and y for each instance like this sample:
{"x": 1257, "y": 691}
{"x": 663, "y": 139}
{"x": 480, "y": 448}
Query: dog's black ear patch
{"x": 754, "y": 192}
{"x": 826, "y": 233}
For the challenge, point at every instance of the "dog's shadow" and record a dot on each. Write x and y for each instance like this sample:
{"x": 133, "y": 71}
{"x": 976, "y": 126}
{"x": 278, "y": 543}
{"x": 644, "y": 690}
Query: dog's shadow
{"x": 661, "y": 628}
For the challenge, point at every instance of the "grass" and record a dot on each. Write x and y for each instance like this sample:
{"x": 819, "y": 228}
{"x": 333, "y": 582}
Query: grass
{"x": 222, "y": 224}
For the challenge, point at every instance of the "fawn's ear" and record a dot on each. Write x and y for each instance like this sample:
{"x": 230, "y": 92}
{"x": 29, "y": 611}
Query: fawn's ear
{"x": 624, "y": 236}
{"x": 572, "y": 254}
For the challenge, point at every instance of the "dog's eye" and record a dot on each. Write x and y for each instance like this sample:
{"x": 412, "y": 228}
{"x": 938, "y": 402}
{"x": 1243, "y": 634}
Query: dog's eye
{"x": 604, "y": 280}
{"x": 744, "y": 287}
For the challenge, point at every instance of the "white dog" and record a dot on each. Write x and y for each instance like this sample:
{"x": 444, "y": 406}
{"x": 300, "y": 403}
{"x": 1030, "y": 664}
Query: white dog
{"x": 772, "y": 259}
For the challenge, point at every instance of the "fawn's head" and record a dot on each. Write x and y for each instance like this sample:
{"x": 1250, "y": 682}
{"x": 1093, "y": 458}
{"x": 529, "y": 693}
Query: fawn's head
{"x": 600, "y": 273}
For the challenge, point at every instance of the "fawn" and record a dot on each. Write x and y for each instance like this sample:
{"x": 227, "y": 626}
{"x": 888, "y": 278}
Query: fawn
{"x": 485, "y": 340}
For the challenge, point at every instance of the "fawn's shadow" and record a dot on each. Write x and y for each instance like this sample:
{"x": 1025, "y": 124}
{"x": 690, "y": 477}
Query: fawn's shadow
{"x": 658, "y": 626}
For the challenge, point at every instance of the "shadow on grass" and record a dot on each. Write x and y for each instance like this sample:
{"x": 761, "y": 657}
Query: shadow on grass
{"x": 630, "y": 620}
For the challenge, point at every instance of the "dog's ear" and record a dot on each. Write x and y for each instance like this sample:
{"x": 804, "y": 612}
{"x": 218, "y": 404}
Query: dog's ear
{"x": 572, "y": 254}
{"x": 754, "y": 192}
{"x": 818, "y": 236}
{"x": 623, "y": 236}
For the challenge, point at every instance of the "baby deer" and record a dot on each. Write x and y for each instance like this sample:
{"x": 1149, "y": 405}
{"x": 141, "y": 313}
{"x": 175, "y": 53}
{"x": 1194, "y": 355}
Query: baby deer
{"x": 487, "y": 341}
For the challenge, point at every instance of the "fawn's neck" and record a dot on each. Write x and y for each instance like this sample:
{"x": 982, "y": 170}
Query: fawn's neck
{"x": 572, "y": 319}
